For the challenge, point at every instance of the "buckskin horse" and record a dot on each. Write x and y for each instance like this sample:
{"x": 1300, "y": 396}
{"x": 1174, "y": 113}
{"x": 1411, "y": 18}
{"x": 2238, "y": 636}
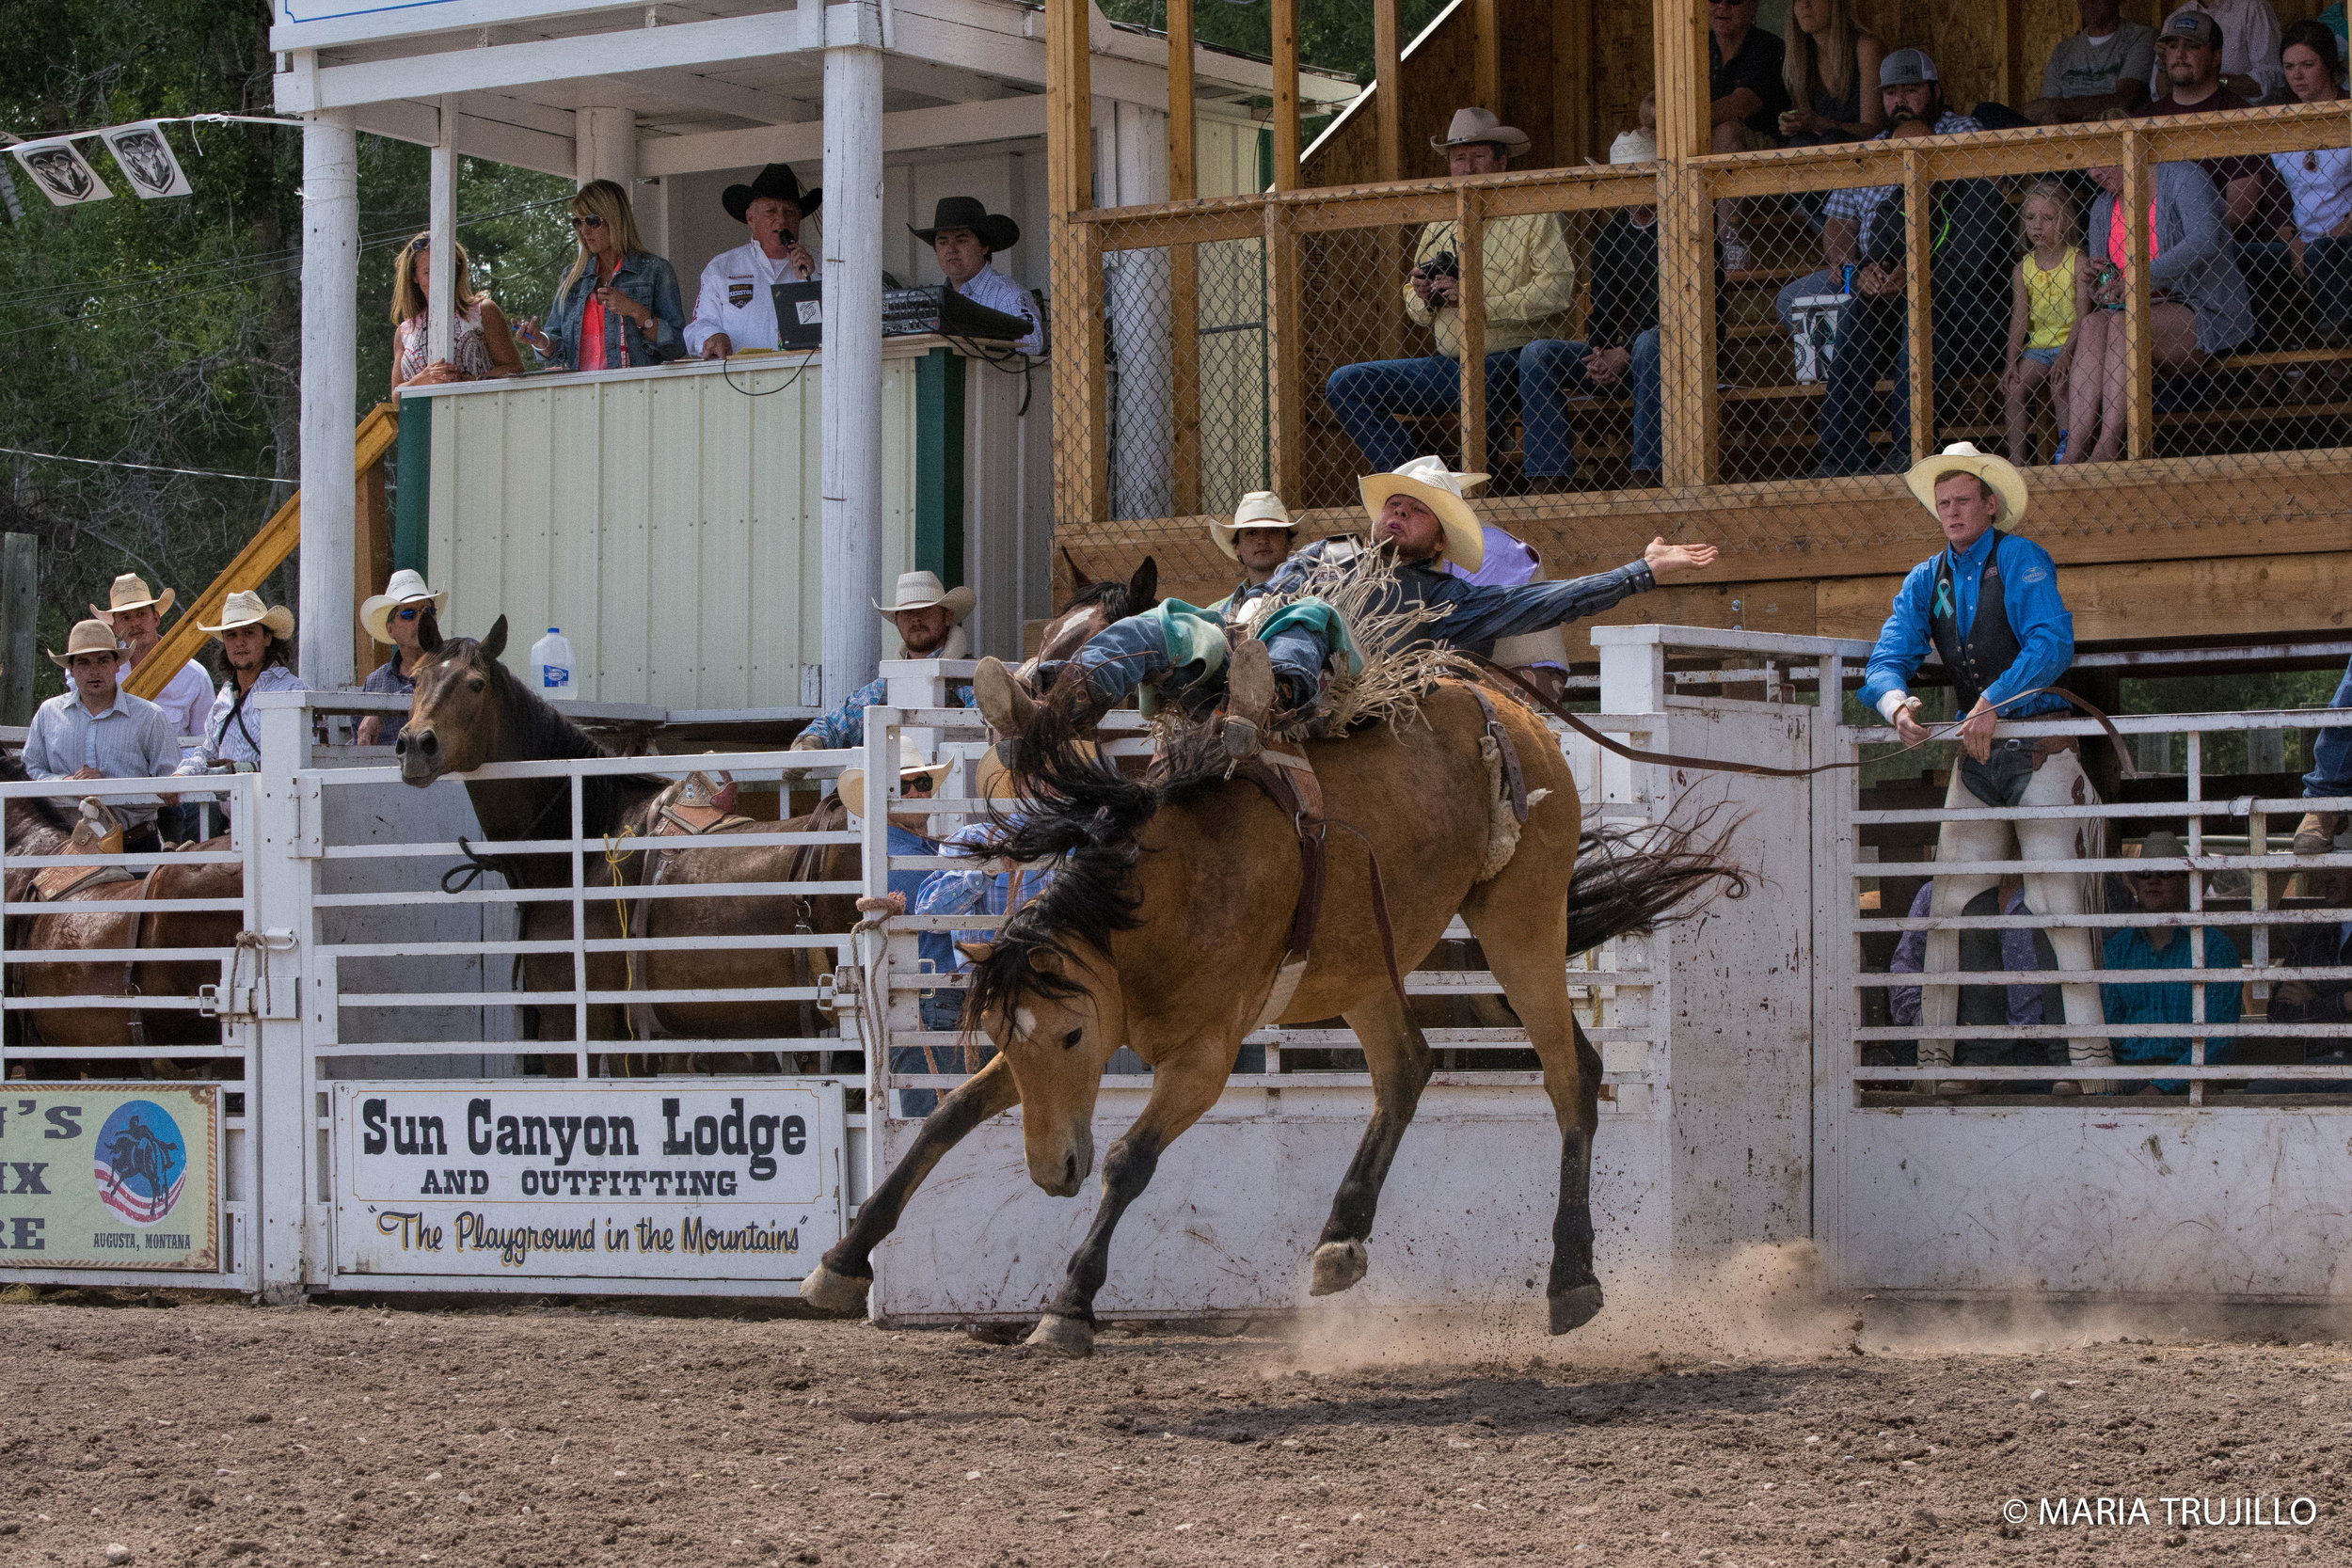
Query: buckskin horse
{"x": 1165, "y": 928}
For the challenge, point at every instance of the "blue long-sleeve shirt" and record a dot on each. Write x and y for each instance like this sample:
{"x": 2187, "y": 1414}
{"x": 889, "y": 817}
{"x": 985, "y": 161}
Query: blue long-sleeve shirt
{"x": 846, "y": 724}
{"x": 1480, "y": 615}
{"x": 2044, "y": 628}
{"x": 2167, "y": 1000}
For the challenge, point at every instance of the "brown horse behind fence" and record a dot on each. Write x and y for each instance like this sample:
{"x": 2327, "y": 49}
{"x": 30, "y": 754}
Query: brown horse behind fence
{"x": 1163, "y": 929}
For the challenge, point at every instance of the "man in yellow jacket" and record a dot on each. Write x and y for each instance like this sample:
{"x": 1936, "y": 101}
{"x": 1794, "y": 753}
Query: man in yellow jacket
{"x": 1530, "y": 295}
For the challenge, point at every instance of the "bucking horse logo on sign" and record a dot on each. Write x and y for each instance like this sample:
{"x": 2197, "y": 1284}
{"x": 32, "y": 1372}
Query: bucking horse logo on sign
{"x": 139, "y": 1162}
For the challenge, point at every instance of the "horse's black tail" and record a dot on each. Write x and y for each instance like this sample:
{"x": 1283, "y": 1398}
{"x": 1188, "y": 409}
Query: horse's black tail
{"x": 1631, "y": 879}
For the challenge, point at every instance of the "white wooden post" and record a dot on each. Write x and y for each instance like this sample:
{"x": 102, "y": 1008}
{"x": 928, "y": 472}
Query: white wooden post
{"x": 850, "y": 386}
{"x": 279, "y": 1090}
{"x": 604, "y": 142}
{"x": 441, "y": 208}
{"x": 331, "y": 392}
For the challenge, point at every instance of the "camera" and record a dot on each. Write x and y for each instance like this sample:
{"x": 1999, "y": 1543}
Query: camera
{"x": 1445, "y": 264}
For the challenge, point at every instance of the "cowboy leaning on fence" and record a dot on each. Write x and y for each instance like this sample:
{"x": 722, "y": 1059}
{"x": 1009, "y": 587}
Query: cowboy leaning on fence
{"x": 930, "y": 618}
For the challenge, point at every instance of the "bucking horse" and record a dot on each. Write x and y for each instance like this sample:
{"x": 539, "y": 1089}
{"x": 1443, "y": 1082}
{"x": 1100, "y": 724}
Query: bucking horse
{"x": 1166, "y": 927}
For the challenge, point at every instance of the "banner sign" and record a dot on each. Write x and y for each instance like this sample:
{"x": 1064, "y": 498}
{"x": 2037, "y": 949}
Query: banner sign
{"x": 122, "y": 1176}
{"x": 697, "y": 1178}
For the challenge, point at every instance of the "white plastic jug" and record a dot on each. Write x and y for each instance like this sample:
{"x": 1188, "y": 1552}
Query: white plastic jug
{"x": 551, "y": 656}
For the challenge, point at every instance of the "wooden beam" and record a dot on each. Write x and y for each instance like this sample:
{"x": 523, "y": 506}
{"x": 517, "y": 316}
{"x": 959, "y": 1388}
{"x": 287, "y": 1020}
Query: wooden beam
{"x": 1184, "y": 313}
{"x": 1686, "y": 245}
{"x": 1388, "y": 92}
{"x": 1470, "y": 240}
{"x": 2139, "y": 370}
{"x": 371, "y": 555}
{"x": 1486, "y": 55}
{"x": 1683, "y": 104}
{"x": 2010, "y": 22}
{"x": 1918, "y": 251}
{"x": 20, "y": 627}
{"x": 1082, "y": 480}
{"x": 1571, "y": 81}
{"x": 2109, "y": 600}
{"x": 1069, "y": 109}
{"x": 1285, "y": 94}
{"x": 1285, "y": 358}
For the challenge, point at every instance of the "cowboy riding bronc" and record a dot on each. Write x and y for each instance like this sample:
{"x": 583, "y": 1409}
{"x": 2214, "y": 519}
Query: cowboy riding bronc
{"x": 1988, "y": 604}
{"x": 1419, "y": 520}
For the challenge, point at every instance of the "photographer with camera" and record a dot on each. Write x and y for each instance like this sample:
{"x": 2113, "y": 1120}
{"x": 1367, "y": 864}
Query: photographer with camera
{"x": 1529, "y": 293}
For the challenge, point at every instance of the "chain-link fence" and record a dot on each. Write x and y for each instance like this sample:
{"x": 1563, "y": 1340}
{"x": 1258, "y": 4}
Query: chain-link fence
{"x": 1634, "y": 386}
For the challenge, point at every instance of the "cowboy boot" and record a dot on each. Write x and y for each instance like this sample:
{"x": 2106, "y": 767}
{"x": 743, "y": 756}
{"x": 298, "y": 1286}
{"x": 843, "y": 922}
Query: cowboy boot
{"x": 1248, "y": 699}
{"x": 2316, "y": 833}
{"x": 998, "y": 695}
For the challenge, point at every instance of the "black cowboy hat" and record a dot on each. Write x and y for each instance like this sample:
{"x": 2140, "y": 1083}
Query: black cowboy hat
{"x": 776, "y": 180}
{"x": 996, "y": 232}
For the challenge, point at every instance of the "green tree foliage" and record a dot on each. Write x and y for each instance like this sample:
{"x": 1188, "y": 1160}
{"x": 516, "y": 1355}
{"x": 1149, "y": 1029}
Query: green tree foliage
{"x": 169, "y": 333}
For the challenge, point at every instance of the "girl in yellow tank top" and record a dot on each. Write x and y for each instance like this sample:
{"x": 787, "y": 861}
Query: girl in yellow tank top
{"x": 2044, "y": 291}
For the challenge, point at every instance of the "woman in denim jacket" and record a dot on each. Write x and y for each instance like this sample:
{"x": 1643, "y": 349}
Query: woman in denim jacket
{"x": 619, "y": 304}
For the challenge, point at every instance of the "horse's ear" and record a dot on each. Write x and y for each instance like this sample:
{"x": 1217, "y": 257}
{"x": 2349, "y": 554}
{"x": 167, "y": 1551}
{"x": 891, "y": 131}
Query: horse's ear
{"x": 428, "y": 631}
{"x": 1047, "y": 961}
{"x": 495, "y": 644}
{"x": 979, "y": 952}
{"x": 1143, "y": 588}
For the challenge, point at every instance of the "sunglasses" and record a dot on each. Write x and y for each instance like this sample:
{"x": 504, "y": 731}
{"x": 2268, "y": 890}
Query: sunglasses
{"x": 587, "y": 220}
{"x": 408, "y": 614}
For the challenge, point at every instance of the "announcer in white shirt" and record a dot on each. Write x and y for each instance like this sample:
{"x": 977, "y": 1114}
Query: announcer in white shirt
{"x": 734, "y": 308}
{"x": 964, "y": 234}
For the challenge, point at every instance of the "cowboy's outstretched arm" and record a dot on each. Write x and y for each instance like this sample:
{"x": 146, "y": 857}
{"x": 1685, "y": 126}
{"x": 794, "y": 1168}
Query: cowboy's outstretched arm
{"x": 1485, "y": 615}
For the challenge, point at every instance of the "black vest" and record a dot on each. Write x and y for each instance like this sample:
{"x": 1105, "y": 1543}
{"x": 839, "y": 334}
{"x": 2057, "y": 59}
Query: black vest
{"x": 1991, "y": 646}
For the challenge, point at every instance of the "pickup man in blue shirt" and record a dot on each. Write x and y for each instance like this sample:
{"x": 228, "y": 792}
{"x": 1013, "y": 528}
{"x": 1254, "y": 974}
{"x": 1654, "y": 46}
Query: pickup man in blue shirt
{"x": 1988, "y": 605}
{"x": 1420, "y": 523}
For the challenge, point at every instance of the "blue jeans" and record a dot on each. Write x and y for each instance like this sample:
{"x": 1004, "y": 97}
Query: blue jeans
{"x": 943, "y": 1012}
{"x": 1873, "y": 341}
{"x": 1371, "y": 398}
{"x": 2332, "y": 750}
{"x": 1127, "y": 653}
{"x": 1648, "y": 441}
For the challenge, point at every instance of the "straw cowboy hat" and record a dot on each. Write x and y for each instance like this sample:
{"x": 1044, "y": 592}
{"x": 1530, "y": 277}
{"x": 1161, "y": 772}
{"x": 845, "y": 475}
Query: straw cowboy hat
{"x": 1257, "y": 509}
{"x": 1471, "y": 126}
{"x": 88, "y": 637}
{"x": 406, "y": 587}
{"x": 776, "y": 180}
{"x": 1428, "y": 481}
{"x": 996, "y": 232}
{"x": 923, "y": 590}
{"x": 910, "y": 765}
{"x": 130, "y": 591}
{"x": 993, "y": 781}
{"x": 244, "y": 608}
{"x": 1961, "y": 457}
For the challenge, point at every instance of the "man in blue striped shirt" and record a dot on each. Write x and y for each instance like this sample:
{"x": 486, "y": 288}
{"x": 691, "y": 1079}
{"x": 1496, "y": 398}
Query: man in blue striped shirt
{"x": 96, "y": 730}
{"x": 1988, "y": 605}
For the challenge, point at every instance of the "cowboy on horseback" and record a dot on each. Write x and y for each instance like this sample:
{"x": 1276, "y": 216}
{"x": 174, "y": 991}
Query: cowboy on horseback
{"x": 1421, "y": 521}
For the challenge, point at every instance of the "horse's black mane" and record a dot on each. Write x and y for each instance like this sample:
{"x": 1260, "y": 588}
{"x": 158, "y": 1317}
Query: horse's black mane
{"x": 1086, "y": 814}
{"x": 47, "y": 807}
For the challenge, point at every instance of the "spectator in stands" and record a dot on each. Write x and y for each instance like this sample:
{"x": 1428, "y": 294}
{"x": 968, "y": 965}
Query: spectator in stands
{"x": 137, "y": 614}
{"x": 619, "y": 303}
{"x": 1745, "y": 81}
{"x": 2106, "y": 66}
{"x": 1621, "y": 332}
{"x": 2326, "y": 944}
{"x": 1828, "y": 70}
{"x": 966, "y": 237}
{"x": 2189, "y": 55}
{"x": 2198, "y": 306}
{"x": 480, "y": 347}
{"x": 2330, "y": 776}
{"x": 2164, "y": 890}
{"x": 2247, "y": 65}
{"x": 1969, "y": 269}
{"x": 2015, "y": 948}
{"x": 2042, "y": 301}
{"x": 398, "y": 616}
{"x": 257, "y": 645}
{"x": 1530, "y": 292}
{"x": 1908, "y": 91}
{"x": 928, "y": 616}
{"x": 735, "y": 308}
{"x": 96, "y": 730}
{"x": 2319, "y": 183}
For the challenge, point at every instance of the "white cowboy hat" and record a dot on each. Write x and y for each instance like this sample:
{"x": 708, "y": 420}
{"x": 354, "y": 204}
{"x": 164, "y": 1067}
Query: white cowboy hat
{"x": 1961, "y": 457}
{"x": 1257, "y": 509}
{"x": 852, "y": 783}
{"x": 1429, "y": 481}
{"x": 993, "y": 781}
{"x": 1636, "y": 146}
{"x": 1479, "y": 125}
{"x": 130, "y": 591}
{"x": 88, "y": 637}
{"x": 406, "y": 587}
{"x": 244, "y": 608}
{"x": 922, "y": 589}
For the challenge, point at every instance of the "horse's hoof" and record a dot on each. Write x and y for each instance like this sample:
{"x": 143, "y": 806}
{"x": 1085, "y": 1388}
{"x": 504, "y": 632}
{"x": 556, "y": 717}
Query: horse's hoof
{"x": 1574, "y": 1308}
{"x": 1337, "y": 1265}
{"x": 841, "y": 1293}
{"x": 1063, "y": 1337}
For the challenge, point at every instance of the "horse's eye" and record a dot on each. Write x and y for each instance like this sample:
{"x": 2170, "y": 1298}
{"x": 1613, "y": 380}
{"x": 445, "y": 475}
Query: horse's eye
{"x": 476, "y": 684}
{"x": 1071, "y": 1040}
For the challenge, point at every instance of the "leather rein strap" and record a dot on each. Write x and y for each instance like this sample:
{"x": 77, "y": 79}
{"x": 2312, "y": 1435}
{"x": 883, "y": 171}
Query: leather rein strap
{"x": 1708, "y": 765}
{"x": 1289, "y": 781}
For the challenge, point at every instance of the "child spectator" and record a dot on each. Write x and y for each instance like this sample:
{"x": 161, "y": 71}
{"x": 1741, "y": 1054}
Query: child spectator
{"x": 2042, "y": 311}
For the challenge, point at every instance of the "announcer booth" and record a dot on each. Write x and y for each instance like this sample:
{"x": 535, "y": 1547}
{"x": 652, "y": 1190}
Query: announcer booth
{"x": 750, "y": 500}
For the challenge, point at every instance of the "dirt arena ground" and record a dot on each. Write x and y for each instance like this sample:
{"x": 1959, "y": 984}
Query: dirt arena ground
{"x": 541, "y": 1432}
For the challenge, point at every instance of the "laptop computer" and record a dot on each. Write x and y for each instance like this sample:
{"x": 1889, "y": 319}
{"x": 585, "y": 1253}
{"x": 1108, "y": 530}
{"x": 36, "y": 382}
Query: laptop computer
{"x": 800, "y": 314}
